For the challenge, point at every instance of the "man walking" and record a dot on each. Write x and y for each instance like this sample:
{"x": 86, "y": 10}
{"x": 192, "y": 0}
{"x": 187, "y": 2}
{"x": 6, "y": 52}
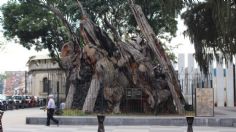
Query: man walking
{"x": 50, "y": 111}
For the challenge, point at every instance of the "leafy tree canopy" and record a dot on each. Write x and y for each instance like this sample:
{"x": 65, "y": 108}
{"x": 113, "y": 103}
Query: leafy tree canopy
{"x": 33, "y": 23}
{"x": 211, "y": 28}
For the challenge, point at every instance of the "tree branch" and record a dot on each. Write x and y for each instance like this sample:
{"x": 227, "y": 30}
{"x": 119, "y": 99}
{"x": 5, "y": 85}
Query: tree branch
{"x": 131, "y": 2}
{"x": 59, "y": 14}
{"x": 113, "y": 30}
{"x": 82, "y": 9}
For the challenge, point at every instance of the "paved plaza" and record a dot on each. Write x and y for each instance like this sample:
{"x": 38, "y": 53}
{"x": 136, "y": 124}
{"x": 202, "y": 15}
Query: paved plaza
{"x": 53, "y": 128}
{"x": 14, "y": 121}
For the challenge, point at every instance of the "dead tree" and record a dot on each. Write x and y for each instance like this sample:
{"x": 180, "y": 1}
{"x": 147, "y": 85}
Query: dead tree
{"x": 117, "y": 64}
{"x": 160, "y": 54}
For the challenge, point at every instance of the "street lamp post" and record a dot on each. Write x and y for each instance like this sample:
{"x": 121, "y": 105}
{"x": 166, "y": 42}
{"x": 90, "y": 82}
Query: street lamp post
{"x": 26, "y": 82}
{"x": 58, "y": 104}
{"x": 48, "y": 78}
{"x": 192, "y": 95}
{"x": 101, "y": 115}
{"x": 48, "y": 86}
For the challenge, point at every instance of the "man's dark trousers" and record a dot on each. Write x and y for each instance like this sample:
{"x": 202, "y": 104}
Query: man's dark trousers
{"x": 50, "y": 114}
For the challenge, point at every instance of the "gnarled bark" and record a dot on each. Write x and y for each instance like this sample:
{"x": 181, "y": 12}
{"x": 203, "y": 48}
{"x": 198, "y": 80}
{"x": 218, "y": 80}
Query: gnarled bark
{"x": 117, "y": 65}
{"x": 160, "y": 55}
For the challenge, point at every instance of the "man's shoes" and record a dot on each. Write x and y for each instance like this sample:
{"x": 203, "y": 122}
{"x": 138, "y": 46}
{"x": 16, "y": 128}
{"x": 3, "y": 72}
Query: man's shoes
{"x": 47, "y": 125}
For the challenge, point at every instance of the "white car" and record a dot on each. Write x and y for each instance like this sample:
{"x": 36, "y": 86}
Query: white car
{"x": 19, "y": 101}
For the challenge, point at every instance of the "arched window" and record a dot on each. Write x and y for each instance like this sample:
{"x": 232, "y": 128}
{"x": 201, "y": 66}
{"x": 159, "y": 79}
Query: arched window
{"x": 45, "y": 84}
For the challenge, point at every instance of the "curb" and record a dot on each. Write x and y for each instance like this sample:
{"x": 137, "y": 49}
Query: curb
{"x": 135, "y": 121}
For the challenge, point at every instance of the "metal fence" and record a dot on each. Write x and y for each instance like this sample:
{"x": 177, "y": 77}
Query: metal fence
{"x": 192, "y": 81}
{"x": 134, "y": 101}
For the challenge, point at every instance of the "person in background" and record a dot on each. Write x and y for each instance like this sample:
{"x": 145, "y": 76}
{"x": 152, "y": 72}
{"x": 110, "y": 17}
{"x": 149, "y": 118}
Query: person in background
{"x": 50, "y": 111}
{"x": 62, "y": 105}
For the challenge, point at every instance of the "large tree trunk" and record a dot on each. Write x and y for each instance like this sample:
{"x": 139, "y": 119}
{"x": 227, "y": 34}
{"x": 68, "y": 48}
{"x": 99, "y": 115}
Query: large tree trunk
{"x": 92, "y": 95}
{"x": 70, "y": 96}
{"x": 160, "y": 54}
{"x": 71, "y": 63}
{"x": 117, "y": 65}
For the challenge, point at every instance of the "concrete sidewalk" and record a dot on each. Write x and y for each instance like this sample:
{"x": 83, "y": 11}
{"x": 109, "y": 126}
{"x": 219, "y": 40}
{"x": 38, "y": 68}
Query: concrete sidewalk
{"x": 225, "y": 117}
{"x": 15, "y": 121}
{"x": 225, "y": 112}
{"x": 84, "y": 128}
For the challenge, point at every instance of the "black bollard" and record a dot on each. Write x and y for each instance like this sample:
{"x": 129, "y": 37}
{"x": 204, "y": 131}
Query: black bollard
{"x": 101, "y": 119}
{"x": 190, "y": 123}
{"x": 1, "y": 114}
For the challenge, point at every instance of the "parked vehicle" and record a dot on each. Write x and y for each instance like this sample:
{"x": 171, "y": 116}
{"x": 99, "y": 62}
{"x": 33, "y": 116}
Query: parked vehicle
{"x": 3, "y": 102}
{"x": 10, "y": 103}
{"x": 30, "y": 101}
{"x": 19, "y": 101}
{"x": 34, "y": 101}
{"x": 27, "y": 100}
{"x": 42, "y": 101}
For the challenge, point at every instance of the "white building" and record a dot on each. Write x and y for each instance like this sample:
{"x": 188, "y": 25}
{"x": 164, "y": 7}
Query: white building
{"x": 221, "y": 78}
{"x": 45, "y": 77}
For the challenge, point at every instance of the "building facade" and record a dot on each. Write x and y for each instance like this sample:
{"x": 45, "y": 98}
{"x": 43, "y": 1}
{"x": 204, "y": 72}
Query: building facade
{"x": 221, "y": 78}
{"x": 2, "y": 78}
{"x": 45, "y": 77}
{"x": 14, "y": 83}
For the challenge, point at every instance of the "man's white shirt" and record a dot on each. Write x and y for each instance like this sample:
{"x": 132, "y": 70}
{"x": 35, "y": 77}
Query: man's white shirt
{"x": 51, "y": 104}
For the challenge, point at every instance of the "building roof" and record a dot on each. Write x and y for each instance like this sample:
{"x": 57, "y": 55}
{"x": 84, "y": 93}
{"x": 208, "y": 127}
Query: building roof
{"x": 38, "y": 57}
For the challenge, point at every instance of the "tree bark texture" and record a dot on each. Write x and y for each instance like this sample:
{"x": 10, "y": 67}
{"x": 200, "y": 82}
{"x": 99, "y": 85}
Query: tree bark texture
{"x": 160, "y": 54}
{"x": 116, "y": 65}
{"x": 91, "y": 95}
{"x": 70, "y": 96}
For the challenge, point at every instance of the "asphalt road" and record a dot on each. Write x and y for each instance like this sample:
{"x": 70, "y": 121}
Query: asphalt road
{"x": 14, "y": 121}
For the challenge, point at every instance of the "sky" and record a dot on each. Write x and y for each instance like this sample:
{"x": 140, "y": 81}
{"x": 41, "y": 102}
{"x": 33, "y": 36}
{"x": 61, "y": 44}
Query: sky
{"x": 184, "y": 43}
{"x": 13, "y": 56}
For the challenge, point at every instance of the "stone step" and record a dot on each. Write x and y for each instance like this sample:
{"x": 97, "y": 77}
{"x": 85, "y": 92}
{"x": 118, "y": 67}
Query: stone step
{"x": 132, "y": 120}
{"x": 234, "y": 124}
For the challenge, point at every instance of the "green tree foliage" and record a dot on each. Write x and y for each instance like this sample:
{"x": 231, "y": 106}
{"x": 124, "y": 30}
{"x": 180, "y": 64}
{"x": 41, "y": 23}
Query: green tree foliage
{"x": 34, "y": 23}
{"x": 160, "y": 14}
{"x": 211, "y": 28}
{"x": 33, "y": 26}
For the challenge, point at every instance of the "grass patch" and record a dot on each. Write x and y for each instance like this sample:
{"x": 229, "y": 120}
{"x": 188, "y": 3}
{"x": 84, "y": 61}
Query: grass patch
{"x": 73, "y": 112}
{"x": 77, "y": 112}
{"x": 189, "y": 113}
